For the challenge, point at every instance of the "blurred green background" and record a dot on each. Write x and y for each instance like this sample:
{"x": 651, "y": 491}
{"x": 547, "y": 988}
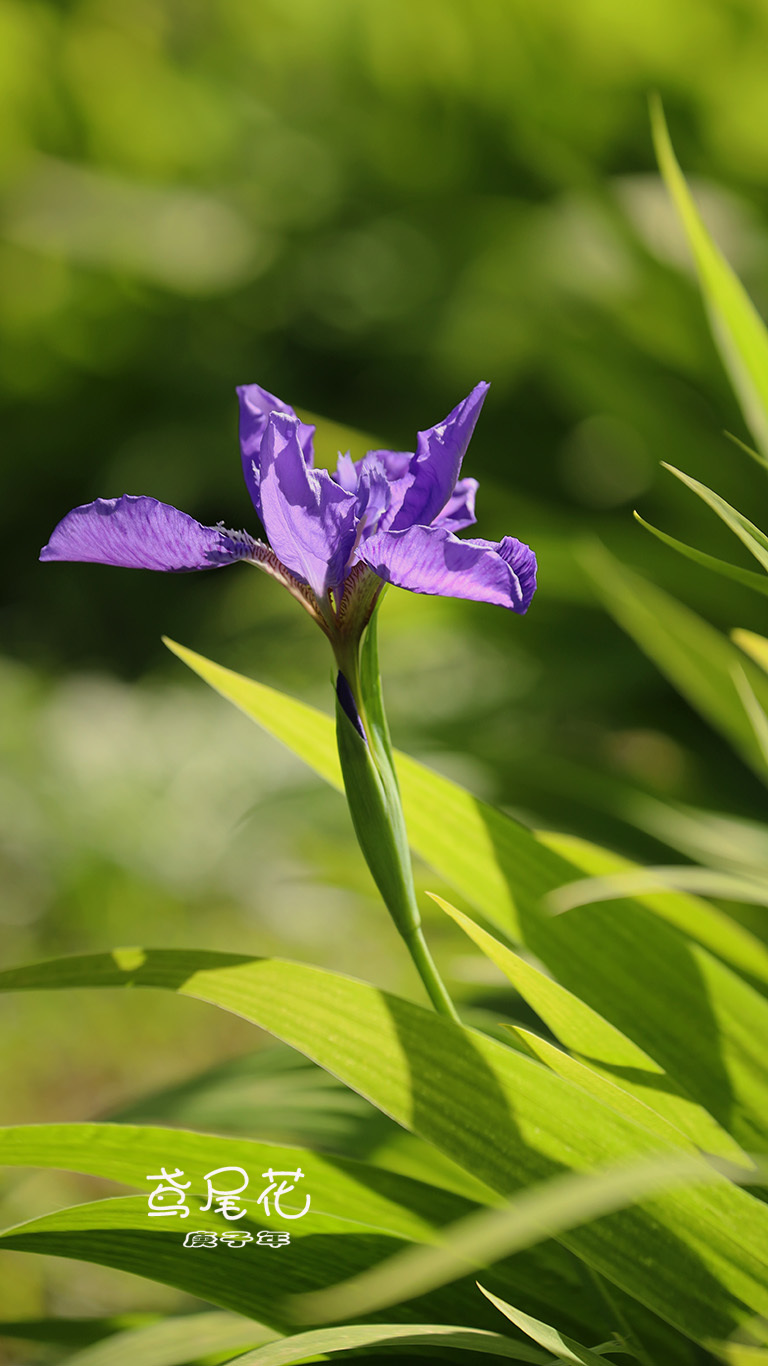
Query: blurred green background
{"x": 365, "y": 208}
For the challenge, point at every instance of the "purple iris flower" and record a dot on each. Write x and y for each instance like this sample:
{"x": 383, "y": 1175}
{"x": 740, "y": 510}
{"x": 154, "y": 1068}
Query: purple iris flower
{"x": 334, "y": 539}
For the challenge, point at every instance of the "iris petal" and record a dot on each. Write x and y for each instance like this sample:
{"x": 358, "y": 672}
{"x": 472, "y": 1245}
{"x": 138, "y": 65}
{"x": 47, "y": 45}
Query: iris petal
{"x": 459, "y": 511}
{"x": 141, "y": 533}
{"x": 435, "y": 467}
{"x": 256, "y": 404}
{"x": 433, "y": 560}
{"x": 308, "y": 517}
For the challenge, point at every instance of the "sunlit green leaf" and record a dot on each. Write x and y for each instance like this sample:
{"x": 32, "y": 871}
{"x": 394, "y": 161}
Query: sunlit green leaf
{"x": 748, "y": 577}
{"x": 565, "y": 1349}
{"x": 506, "y": 1118}
{"x": 546, "y": 1210}
{"x": 685, "y": 877}
{"x": 630, "y": 1073}
{"x": 174, "y": 1341}
{"x": 754, "y": 645}
{"x": 698, "y": 920}
{"x": 735, "y": 1354}
{"x": 329, "y": 1340}
{"x": 696, "y": 658}
{"x": 737, "y": 327}
{"x": 278, "y": 1096}
{"x": 252, "y": 1280}
{"x": 750, "y": 535}
{"x": 348, "y": 1191}
{"x": 603, "y": 953}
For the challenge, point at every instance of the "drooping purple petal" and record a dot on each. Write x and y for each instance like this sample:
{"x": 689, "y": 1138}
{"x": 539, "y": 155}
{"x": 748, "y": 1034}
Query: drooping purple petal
{"x": 459, "y": 511}
{"x": 256, "y": 404}
{"x": 437, "y": 462}
{"x": 521, "y": 561}
{"x": 433, "y": 560}
{"x": 141, "y": 533}
{"x": 308, "y": 517}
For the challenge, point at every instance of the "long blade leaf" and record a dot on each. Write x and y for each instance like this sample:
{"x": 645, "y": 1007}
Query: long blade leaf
{"x": 564, "y": 1348}
{"x": 747, "y": 577}
{"x": 599, "y": 952}
{"x": 499, "y": 1114}
{"x": 738, "y": 330}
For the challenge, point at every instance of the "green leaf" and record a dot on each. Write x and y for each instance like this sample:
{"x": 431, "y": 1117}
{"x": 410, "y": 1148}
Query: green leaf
{"x": 282, "y": 1097}
{"x": 752, "y": 709}
{"x": 501, "y": 1115}
{"x": 350, "y": 1192}
{"x": 736, "y": 1355}
{"x": 736, "y": 325}
{"x": 685, "y": 877}
{"x": 278, "y": 1096}
{"x": 546, "y": 1210}
{"x": 565, "y": 1349}
{"x": 696, "y": 658}
{"x": 636, "y": 1084}
{"x": 748, "y": 577}
{"x": 74, "y": 1332}
{"x": 620, "y": 958}
{"x": 253, "y": 1280}
{"x": 753, "y": 645}
{"x": 358, "y": 1336}
{"x": 719, "y": 840}
{"x": 356, "y": 1196}
{"x": 174, "y": 1341}
{"x": 750, "y": 535}
{"x": 699, "y": 921}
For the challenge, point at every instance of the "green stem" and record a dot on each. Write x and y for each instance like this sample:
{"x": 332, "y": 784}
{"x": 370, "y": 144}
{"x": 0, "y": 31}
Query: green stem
{"x": 433, "y": 982}
{"x": 373, "y": 795}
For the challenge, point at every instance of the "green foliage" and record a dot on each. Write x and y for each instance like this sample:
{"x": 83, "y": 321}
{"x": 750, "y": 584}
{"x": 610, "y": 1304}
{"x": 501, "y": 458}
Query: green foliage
{"x": 522, "y": 1125}
{"x": 737, "y": 327}
{"x": 174, "y": 1341}
{"x": 565, "y": 1349}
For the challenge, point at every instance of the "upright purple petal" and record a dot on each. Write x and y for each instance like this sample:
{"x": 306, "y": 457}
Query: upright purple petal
{"x": 459, "y": 511}
{"x": 433, "y": 560}
{"x": 374, "y": 493}
{"x": 396, "y": 463}
{"x": 256, "y": 404}
{"x": 308, "y": 517}
{"x": 140, "y": 533}
{"x": 380, "y": 480}
{"x": 347, "y": 473}
{"x": 437, "y": 462}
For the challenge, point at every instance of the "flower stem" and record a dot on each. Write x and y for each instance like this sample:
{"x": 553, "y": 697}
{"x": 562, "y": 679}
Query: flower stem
{"x": 425, "y": 966}
{"x": 373, "y": 794}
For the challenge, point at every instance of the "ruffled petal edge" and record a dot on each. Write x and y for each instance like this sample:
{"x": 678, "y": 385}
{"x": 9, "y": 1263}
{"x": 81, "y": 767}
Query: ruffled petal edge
{"x": 433, "y": 560}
